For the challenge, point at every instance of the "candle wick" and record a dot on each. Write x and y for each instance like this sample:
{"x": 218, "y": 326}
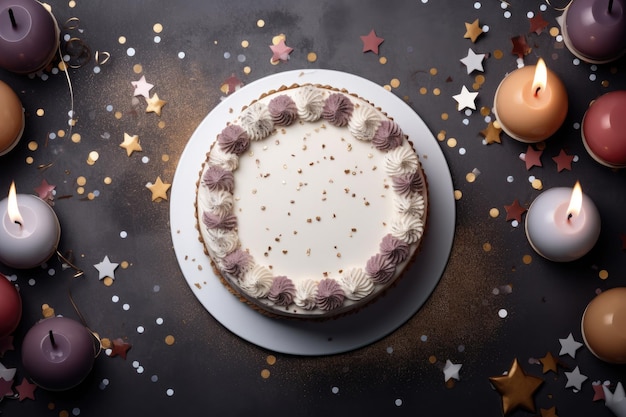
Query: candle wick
{"x": 537, "y": 91}
{"x": 18, "y": 223}
{"x": 12, "y": 17}
{"x": 52, "y": 338}
{"x": 569, "y": 216}
{"x": 610, "y": 6}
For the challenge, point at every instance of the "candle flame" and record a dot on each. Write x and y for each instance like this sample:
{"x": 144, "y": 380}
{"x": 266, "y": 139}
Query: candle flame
{"x": 575, "y": 202}
{"x": 541, "y": 77}
{"x": 14, "y": 212}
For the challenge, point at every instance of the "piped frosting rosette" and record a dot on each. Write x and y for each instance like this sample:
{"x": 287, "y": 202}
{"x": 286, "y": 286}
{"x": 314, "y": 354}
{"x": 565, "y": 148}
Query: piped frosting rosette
{"x": 257, "y": 122}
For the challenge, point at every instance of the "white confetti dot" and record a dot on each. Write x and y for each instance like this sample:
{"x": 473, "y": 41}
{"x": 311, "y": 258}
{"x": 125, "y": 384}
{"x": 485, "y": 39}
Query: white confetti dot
{"x": 576, "y": 125}
{"x": 241, "y": 58}
{"x": 389, "y": 349}
{"x": 54, "y": 71}
{"x": 66, "y": 58}
{"x": 487, "y": 119}
{"x": 495, "y": 291}
{"x": 52, "y": 136}
{"x": 510, "y": 178}
{"x": 507, "y": 14}
{"x": 575, "y": 158}
{"x": 530, "y": 15}
{"x": 51, "y": 272}
{"x": 592, "y": 77}
{"x": 140, "y": 329}
{"x": 424, "y": 338}
{"x": 594, "y": 67}
{"x": 169, "y": 392}
{"x": 226, "y": 55}
{"x": 126, "y": 307}
{"x": 461, "y": 348}
{"x": 44, "y": 77}
{"x": 157, "y": 39}
{"x": 154, "y": 378}
{"x": 424, "y": 1}
{"x": 559, "y": 38}
{"x": 398, "y": 402}
{"x": 181, "y": 55}
{"x": 502, "y": 313}
{"x": 531, "y": 178}
{"x": 135, "y": 364}
{"x": 543, "y": 7}
{"x": 115, "y": 298}
{"x": 156, "y": 288}
{"x": 130, "y": 52}
{"x": 105, "y": 382}
{"x": 96, "y": 70}
{"x": 67, "y": 37}
{"x": 477, "y": 5}
{"x": 31, "y": 282}
{"x": 123, "y": 234}
{"x": 485, "y": 28}
{"x": 96, "y": 193}
{"x": 145, "y": 159}
{"x": 76, "y": 411}
{"x": 140, "y": 370}
{"x": 461, "y": 151}
{"x": 335, "y": 390}
{"x": 159, "y": 321}
{"x": 504, "y": 5}
{"x": 466, "y": 122}
{"x": 109, "y": 108}
{"x": 468, "y": 112}
{"x": 514, "y": 223}
{"x": 576, "y": 61}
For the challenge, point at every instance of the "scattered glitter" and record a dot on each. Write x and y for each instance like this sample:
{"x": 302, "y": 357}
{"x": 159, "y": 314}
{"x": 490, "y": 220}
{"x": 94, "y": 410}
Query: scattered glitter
{"x": 603, "y": 274}
{"x": 502, "y": 313}
{"x": 334, "y": 390}
{"x": 130, "y": 52}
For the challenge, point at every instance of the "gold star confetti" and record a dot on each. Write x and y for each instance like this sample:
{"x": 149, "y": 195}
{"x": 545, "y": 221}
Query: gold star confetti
{"x": 131, "y": 144}
{"x": 155, "y": 104}
{"x": 492, "y": 133}
{"x": 159, "y": 189}
{"x": 516, "y": 388}
{"x": 472, "y": 31}
{"x": 548, "y": 363}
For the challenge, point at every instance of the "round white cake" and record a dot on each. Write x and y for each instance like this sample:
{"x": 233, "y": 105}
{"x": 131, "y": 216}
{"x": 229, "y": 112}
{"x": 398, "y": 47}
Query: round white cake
{"x": 311, "y": 202}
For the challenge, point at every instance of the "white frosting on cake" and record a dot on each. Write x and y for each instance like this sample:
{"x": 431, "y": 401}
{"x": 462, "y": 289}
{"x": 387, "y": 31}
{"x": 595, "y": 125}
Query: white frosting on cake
{"x": 301, "y": 231}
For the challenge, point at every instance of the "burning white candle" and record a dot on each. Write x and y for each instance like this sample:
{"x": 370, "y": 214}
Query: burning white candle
{"x": 29, "y": 230}
{"x": 562, "y": 224}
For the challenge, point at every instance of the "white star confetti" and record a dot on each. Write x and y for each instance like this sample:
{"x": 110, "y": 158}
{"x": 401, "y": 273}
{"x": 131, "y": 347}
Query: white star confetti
{"x": 616, "y": 401}
{"x": 575, "y": 379}
{"x": 142, "y": 87}
{"x": 569, "y": 346}
{"x": 465, "y": 99}
{"x": 473, "y": 61}
{"x": 451, "y": 370}
{"x": 106, "y": 268}
{"x": 7, "y": 373}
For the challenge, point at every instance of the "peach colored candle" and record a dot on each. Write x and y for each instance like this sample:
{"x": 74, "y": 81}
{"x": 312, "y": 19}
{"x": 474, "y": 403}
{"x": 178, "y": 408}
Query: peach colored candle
{"x": 604, "y": 325}
{"x": 11, "y": 119}
{"x": 531, "y": 103}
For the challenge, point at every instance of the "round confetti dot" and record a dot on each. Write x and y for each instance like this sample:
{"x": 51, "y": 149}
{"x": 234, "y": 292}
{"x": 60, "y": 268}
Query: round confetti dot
{"x": 247, "y": 70}
{"x": 395, "y": 83}
{"x": 76, "y": 411}
{"x": 40, "y": 112}
{"x": 462, "y": 151}
{"x": 123, "y": 234}
{"x": 271, "y": 360}
{"x": 93, "y": 156}
{"x": 130, "y": 52}
{"x": 154, "y": 378}
{"x": 485, "y": 28}
{"x": 121, "y": 40}
{"x": 156, "y": 288}
{"x": 527, "y": 259}
{"x": 603, "y": 274}
{"x": 126, "y": 307}
{"x": 514, "y": 223}
{"x": 433, "y": 71}
{"x": 241, "y": 58}
{"x": 451, "y": 142}
{"x": 510, "y": 178}
{"x": 537, "y": 184}
{"x": 470, "y": 177}
{"x": 226, "y": 55}
{"x": 398, "y": 402}
{"x": 157, "y": 39}
{"x": 169, "y": 392}
{"x": 444, "y": 116}
{"x": 592, "y": 77}
{"x": 334, "y": 390}
{"x": 245, "y": 44}
{"x": 165, "y": 158}
{"x": 161, "y": 124}
{"x": 423, "y": 338}
{"x": 76, "y": 138}
{"x": 81, "y": 180}
{"x": 145, "y": 159}
{"x": 157, "y": 28}
{"x": 96, "y": 70}
{"x": 159, "y": 321}
{"x": 477, "y": 5}
{"x": 29, "y": 160}
{"x": 487, "y": 247}
{"x": 107, "y": 180}
{"x": 423, "y": 91}
{"x": 260, "y": 23}
{"x": 169, "y": 340}
{"x": 432, "y": 359}
{"x": 107, "y": 281}
{"x": 494, "y": 212}
{"x": 311, "y": 57}
{"x": 502, "y": 313}
{"x": 181, "y": 55}
{"x": 382, "y": 60}
{"x": 32, "y": 145}
{"x": 124, "y": 264}
{"x": 441, "y": 135}
{"x": 265, "y": 373}
{"x": 458, "y": 194}
{"x": 115, "y": 298}
{"x": 140, "y": 329}
{"x": 461, "y": 348}
{"x": 436, "y": 91}
{"x": 140, "y": 370}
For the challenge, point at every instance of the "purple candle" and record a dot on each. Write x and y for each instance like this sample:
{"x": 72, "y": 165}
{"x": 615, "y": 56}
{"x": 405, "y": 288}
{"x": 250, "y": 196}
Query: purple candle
{"x": 595, "y": 30}
{"x": 58, "y": 353}
{"x": 29, "y": 36}
{"x": 604, "y": 129}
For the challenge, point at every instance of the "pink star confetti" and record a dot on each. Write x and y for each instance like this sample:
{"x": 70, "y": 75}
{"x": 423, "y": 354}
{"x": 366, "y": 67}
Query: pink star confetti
{"x": 142, "y": 87}
{"x": 598, "y": 391}
{"x": 44, "y": 190}
{"x": 563, "y": 161}
{"x": 231, "y": 84}
{"x": 26, "y": 390}
{"x": 280, "y": 51}
{"x": 532, "y": 158}
{"x": 371, "y": 42}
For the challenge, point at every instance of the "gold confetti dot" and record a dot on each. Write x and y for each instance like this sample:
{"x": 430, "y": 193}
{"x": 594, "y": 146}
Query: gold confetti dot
{"x": 487, "y": 246}
{"x": 51, "y": 406}
{"x": 451, "y": 142}
{"x": 62, "y": 66}
{"x": 64, "y": 413}
{"x": 433, "y": 71}
{"x": 80, "y": 190}
{"x": 311, "y": 57}
{"x": 105, "y": 342}
{"x": 604, "y": 274}
{"x": 91, "y": 196}
{"x": 169, "y": 340}
{"x": 93, "y": 155}
{"x": 605, "y": 83}
{"x": 157, "y": 28}
{"x": 260, "y": 23}
{"x": 107, "y": 281}
{"x": 247, "y": 70}
{"x": 436, "y": 91}
{"x": 118, "y": 115}
{"x": 72, "y": 4}
{"x": 137, "y": 69}
{"x": 47, "y": 311}
{"x": 470, "y": 177}
{"x": 161, "y": 124}
{"x": 122, "y": 40}
{"x": 124, "y": 264}
{"x": 29, "y": 160}
{"x": 245, "y": 43}
{"x": 265, "y": 373}
{"x": 32, "y": 145}
{"x": 107, "y": 180}
{"x": 476, "y": 86}
{"x": 276, "y": 39}
{"x": 40, "y": 112}
{"x": 432, "y": 359}
{"x": 271, "y": 360}
{"x": 423, "y": 90}
{"x": 444, "y": 116}
{"x": 480, "y": 79}
{"x": 498, "y": 54}
{"x": 458, "y": 194}
{"x": 165, "y": 157}
{"x": 382, "y": 60}
{"x": 61, "y": 133}
{"x": 387, "y": 87}
{"x": 441, "y": 135}
{"x": 554, "y": 31}
{"x": 76, "y": 137}
{"x": 484, "y": 111}
{"x": 395, "y": 83}
{"x": 494, "y": 212}
{"x": 527, "y": 259}
{"x": 81, "y": 180}
{"x": 537, "y": 184}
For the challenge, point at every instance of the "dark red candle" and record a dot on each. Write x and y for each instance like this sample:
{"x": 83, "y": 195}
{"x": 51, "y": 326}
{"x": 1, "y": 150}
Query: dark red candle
{"x": 29, "y": 36}
{"x": 58, "y": 353}
{"x": 604, "y": 129}
{"x": 10, "y": 307}
{"x": 594, "y": 30}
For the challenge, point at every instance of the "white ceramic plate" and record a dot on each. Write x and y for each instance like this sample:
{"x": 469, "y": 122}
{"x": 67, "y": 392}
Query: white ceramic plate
{"x": 306, "y": 337}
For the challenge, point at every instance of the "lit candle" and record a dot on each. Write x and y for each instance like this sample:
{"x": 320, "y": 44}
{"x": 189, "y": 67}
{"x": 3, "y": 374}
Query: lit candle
{"x": 603, "y": 325}
{"x": 58, "y": 353}
{"x": 604, "y": 129}
{"x": 11, "y": 119}
{"x": 562, "y": 224}
{"x": 530, "y": 103}
{"x": 29, "y": 230}
{"x": 10, "y": 307}
{"x": 29, "y": 36}
{"x": 595, "y": 30}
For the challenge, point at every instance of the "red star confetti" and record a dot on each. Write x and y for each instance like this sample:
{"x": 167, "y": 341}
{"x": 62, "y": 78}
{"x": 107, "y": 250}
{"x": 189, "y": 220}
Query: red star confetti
{"x": 5, "y": 388}
{"x": 44, "y": 190}
{"x": 26, "y": 390}
{"x": 280, "y": 51}
{"x": 472, "y": 30}
{"x": 142, "y": 87}
{"x": 532, "y": 158}
{"x": 371, "y": 42}
{"x": 514, "y": 212}
{"x": 520, "y": 47}
{"x": 231, "y": 85}
{"x": 598, "y": 391}
{"x": 563, "y": 161}
{"x": 119, "y": 348}
{"x": 6, "y": 344}
{"x": 537, "y": 24}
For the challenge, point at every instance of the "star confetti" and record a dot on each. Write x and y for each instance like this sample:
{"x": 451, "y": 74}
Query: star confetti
{"x": 451, "y": 370}
{"x": 280, "y": 51}
{"x": 155, "y": 104}
{"x": 131, "y": 144}
{"x": 119, "y": 348}
{"x": 537, "y": 24}
{"x": 142, "y": 87}
{"x": 569, "y": 346}
{"x": 548, "y": 412}
{"x": 472, "y": 31}
{"x": 7, "y": 373}
{"x": 516, "y": 388}
{"x": 616, "y": 401}
{"x": 6, "y": 389}
{"x": 514, "y": 211}
{"x": 598, "y": 391}
{"x": 575, "y": 379}
{"x": 473, "y": 61}
{"x": 159, "y": 189}
{"x": 520, "y": 47}
{"x": 492, "y": 133}
{"x": 26, "y": 390}
{"x": 532, "y": 157}
{"x": 371, "y": 42}
{"x": 563, "y": 161}
{"x": 548, "y": 363}
{"x": 465, "y": 99}
{"x": 231, "y": 84}
{"x": 106, "y": 268}
{"x": 44, "y": 190}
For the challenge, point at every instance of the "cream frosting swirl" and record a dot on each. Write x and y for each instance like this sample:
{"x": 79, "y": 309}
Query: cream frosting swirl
{"x": 216, "y": 178}
{"x": 388, "y": 136}
{"x": 380, "y": 268}
{"x": 222, "y": 242}
{"x": 337, "y": 110}
{"x": 221, "y": 159}
{"x": 306, "y": 294}
{"x": 215, "y": 221}
{"x": 407, "y": 228}
{"x": 310, "y": 102}
{"x": 394, "y": 249}
{"x": 406, "y": 184}
{"x": 233, "y": 139}
{"x": 282, "y": 291}
{"x": 364, "y": 123}
{"x": 330, "y": 295}
{"x": 257, "y": 281}
{"x": 283, "y": 110}
{"x": 217, "y": 202}
{"x": 401, "y": 160}
{"x": 257, "y": 121}
{"x": 412, "y": 204}
{"x": 356, "y": 284}
{"x": 237, "y": 263}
